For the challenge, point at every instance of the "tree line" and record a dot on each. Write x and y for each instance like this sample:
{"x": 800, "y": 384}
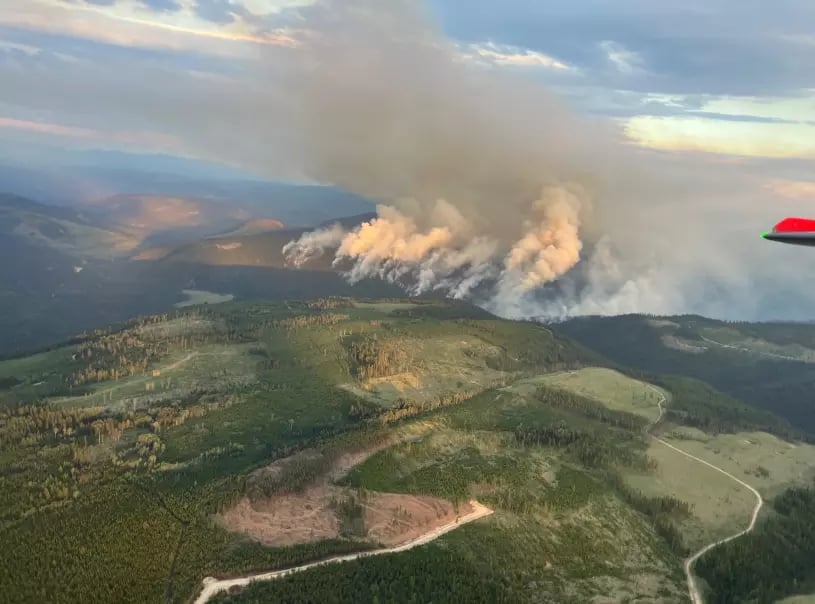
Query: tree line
{"x": 302, "y": 321}
{"x": 373, "y": 358}
{"x": 776, "y": 560}
{"x": 563, "y": 399}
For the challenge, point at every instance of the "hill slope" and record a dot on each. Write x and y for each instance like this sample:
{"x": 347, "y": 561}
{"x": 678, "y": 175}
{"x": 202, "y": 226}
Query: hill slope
{"x": 771, "y": 366}
{"x": 161, "y": 219}
{"x": 24, "y": 222}
{"x": 249, "y": 245}
{"x": 243, "y": 437}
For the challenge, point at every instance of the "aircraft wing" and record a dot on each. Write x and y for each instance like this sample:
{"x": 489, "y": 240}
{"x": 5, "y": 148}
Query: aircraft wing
{"x": 797, "y": 231}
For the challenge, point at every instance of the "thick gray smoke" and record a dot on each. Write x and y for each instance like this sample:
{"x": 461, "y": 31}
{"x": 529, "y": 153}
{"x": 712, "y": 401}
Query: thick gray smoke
{"x": 491, "y": 189}
{"x": 482, "y": 177}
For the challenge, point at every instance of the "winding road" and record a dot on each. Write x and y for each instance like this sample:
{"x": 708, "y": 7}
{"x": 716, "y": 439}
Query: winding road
{"x": 693, "y": 588}
{"x": 213, "y": 586}
{"x": 761, "y": 353}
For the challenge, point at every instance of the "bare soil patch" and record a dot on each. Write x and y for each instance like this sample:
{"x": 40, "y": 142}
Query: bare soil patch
{"x": 682, "y": 345}
{"x": 310, "y": 514}
{"x": 390, "y": 518}
{"x": 658, "y": 323}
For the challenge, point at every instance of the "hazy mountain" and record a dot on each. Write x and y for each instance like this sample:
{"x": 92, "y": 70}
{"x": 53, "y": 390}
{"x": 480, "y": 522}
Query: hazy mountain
{"x": 61, "y": 230}
{"x": 71, "y": 181}
{"x": 78, "y": 268}
{"x": 254, "y": 226}
{"x": 162, "y": 219}
{"x": 256, "y": 243}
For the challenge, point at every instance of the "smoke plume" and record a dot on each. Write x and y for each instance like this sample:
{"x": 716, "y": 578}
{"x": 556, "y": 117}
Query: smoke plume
{"x": 481, "y": 176}
{"x": 491, "y": 189}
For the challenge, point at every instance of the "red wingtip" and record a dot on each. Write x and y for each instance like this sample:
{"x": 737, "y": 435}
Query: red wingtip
{"x": 795, "y": 225}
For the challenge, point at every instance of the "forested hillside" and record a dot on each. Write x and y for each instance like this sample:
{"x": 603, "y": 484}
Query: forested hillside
{"x": 227, "y": 439}
{"x": 775, "y": 561}
{"x": 128, "y": 439}
{"x": 769, "y": 366}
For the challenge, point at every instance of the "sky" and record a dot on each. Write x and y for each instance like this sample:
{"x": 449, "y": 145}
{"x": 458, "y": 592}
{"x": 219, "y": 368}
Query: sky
{"x": 718, "y": 95}
{"x": 721, "y": 76}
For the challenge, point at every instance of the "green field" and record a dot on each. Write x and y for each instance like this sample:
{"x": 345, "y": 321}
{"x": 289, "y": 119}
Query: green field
{"x": 615, "y": 390}
{"x": 215, "y": 368}
{"x": 766, "y": 462}
{"x": 719, "y": 506}
{"x": 196, "y": 296}
{"x": 766, "y": 365}
{"x": 737, "y": 341}
{"x": 807, "y": 599}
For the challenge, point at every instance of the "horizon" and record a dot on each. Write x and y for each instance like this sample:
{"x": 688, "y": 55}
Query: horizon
{"x": 690, "y": 124}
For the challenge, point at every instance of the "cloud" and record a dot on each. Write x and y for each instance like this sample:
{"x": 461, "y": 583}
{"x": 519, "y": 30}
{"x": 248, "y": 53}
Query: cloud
{"x": 132, "y": 23}
{"x": 149, "y": 140}
{"x": 800, "y": 190}
{"x": 14, "y": 47}
{"x": 625, "y": 61}
{"x": 763, "y": 139}
{"x": 799, "y": 108}
{"x": 490, "y": 53}
{"x": 683, "y": 43}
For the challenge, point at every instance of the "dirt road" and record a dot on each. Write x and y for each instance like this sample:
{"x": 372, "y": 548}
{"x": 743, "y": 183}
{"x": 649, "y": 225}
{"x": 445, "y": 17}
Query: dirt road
{"x": 213, "y": 586}
{"x": 771, "y": 355}
{"x": 693, "y": 588}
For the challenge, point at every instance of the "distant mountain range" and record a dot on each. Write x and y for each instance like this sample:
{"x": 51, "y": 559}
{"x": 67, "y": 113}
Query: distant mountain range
{"x": 257, "y": 243}
{"x": 74, "y": 268}
{"x": 298, "y": 205}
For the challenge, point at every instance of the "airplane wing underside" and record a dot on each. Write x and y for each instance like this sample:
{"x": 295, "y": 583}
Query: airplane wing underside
{"x": 795, "y": 231}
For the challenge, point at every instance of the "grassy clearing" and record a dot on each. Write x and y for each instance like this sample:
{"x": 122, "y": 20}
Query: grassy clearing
{"x": 30, "y": 378}
{"x": 762, "y": 460}
{"x": 780, "y": 386}
{"x": 197, "y": 296}
{"x": 720, "y": 506}
{"x": 45, "y": 362}
{"x": 801, "y": 599}
{"x": 615, "y": 390}
{"x": 385, "y": 307}
{"x": 752, "y": 345}
{"x": 211, "y": 368}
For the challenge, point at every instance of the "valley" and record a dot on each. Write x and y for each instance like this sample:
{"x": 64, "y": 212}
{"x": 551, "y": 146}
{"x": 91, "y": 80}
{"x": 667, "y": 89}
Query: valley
{"x": 87, "y": 266}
